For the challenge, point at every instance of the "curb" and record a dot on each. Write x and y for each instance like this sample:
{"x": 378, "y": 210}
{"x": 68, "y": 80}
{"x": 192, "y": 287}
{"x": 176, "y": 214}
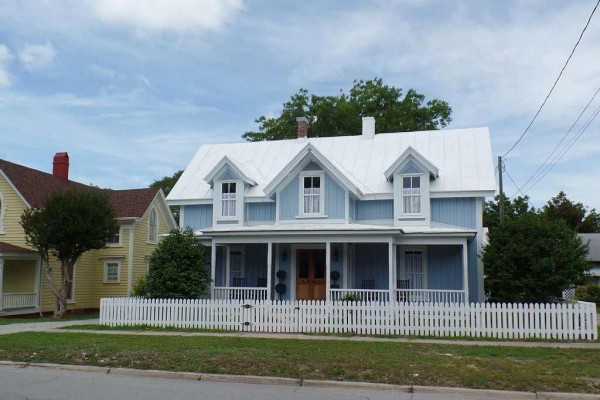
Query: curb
{"x": 269, "y": 380}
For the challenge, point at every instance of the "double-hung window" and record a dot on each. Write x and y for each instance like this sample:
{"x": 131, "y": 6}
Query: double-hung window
{"x": 114, "y": 237}
{"x": 152, "y": 226}
{"x": 228, "y": 199}
{"x": 111, "y": 271}
{"x": 411, "y": 195}
{"x": 312, "y": 195}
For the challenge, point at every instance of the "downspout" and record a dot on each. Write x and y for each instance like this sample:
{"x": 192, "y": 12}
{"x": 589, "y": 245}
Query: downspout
{"x": 130, "y": 260}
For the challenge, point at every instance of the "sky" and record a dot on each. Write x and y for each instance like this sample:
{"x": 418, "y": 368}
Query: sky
{"x": 132, "y": 89}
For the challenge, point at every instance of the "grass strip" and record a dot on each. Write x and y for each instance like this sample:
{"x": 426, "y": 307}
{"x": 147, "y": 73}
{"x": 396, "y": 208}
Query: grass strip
{"x": 490, "y": 367}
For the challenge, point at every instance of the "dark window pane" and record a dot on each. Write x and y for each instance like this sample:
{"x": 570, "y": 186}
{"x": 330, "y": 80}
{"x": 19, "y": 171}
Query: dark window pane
{"x": 302, "y": 265}
{"x": 307, "y": 182}
{"x": 232, "y": 187}
{"x": 406, "y": 182}
{"x": 416, "y": 182}
{"x": 316, "y": 182}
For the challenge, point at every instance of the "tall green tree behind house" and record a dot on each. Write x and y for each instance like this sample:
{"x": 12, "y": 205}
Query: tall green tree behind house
{"x": 71, "y": 223}
{"x": 339, "y": 115}
{"x": 513, "y": 209}
{"x": 166, "y": 184}
{"x": 576, "y": 215}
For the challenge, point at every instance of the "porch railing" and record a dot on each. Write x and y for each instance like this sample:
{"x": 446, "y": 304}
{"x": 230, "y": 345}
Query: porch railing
{"x": 430, "y": 296}
{"x": 18, "y": 300}
{"x": 360, "y": 295}
{"x": 240, "y": 293}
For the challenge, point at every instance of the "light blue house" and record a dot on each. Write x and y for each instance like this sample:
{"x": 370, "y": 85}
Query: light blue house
{"x": 395, "y": 216}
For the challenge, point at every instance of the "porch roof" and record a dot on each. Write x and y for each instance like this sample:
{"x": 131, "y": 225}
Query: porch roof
{"x": 11, "y": 248}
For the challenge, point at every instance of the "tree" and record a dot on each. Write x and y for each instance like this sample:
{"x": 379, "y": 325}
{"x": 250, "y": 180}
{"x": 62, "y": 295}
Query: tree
{"x": 177, "y": 267}
{"x": 574, "y": 214}
{"x": 71, "y": 223}
{"x": 515, "y": 208}
{"x": 166, "y": 184}
{"x": 341, "y": 114}
{"x": 532, "y": 259}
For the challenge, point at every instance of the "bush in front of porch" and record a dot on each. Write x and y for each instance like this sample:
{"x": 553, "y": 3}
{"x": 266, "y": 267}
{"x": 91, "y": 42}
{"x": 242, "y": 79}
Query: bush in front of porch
{"x": 177, "y": 268}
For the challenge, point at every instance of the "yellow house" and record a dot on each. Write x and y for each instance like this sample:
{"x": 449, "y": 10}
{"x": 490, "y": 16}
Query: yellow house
{"x": 142, "y": 214}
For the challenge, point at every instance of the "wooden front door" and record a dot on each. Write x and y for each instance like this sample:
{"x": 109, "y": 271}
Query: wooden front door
{"x": 310, "y": 274}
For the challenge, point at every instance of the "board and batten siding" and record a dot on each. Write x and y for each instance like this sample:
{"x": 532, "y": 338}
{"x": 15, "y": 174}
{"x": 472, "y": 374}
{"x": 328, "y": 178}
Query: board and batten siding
{"x": 260, "y": 212}
{"x": 444, "y": 267}
{"x": 373, "y": 210}
{"x": 458, "y": 211}
{"x": 198, "y": 216}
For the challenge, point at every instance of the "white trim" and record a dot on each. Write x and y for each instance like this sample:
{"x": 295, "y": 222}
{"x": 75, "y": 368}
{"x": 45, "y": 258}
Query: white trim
{"x": 213, "y": 268}
{"x": 311, "y": 174}
{"x": 465, "y": 261}
{"x": 181, "y": 217}
{"x": 269, "y": 268}
{"x": 239, "y": 202}
{"x": 2, "y": 215}
{"x": 148, "y": 239}
{"x": 347, "y": 205}
{"x": 400, "y": 218}
{"x": 462, "y": 193}
{"x": 106, "y": 263}
{"x": 420, "y": 195}
{"x": 164, "y": 209}
{"x": 15, "y": 189}
{"x": 401, "y": 161}
{"x": 327, "y": 271}
{"x": 130, "y": 260}
{"x": 479, "y": 208}
{"x": 227, "y": 161}
{"x": 190, "y": 202}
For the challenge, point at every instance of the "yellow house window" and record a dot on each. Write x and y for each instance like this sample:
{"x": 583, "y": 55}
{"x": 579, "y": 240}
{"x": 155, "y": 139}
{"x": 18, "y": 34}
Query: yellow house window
{"x": 152, "y": 226}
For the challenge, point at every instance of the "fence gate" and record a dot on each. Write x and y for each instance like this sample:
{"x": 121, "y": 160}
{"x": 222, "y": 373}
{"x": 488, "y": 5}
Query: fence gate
{"x": 261, "y": 316}
{"x": 248, "y": 317}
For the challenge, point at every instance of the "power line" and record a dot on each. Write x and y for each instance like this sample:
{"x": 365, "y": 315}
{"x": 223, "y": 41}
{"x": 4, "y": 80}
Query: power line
{"x": 579, "y": 134}
{"x": 555, "y": 82}
{"x": 544, "y": 164}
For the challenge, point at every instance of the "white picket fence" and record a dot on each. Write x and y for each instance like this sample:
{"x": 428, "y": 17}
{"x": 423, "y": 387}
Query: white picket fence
{"x": 505, "y": 321}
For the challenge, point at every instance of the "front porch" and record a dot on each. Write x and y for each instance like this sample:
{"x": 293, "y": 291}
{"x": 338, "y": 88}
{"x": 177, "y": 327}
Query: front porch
{"x": 19, "y": 280}
{"x": 394, "y": 269}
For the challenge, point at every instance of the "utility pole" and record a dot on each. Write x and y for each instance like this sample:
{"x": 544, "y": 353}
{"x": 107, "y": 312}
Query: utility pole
{"x": 500, "y": 188}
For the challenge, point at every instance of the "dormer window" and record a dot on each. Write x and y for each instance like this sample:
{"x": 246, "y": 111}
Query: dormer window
{"x": 411, "y": 195}
{"x": 228, "y": 199}
{"x": 312, "y": 194}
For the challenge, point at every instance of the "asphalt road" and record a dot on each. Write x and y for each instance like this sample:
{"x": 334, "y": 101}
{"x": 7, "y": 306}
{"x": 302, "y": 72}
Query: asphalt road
{"x": 51, "y": 384}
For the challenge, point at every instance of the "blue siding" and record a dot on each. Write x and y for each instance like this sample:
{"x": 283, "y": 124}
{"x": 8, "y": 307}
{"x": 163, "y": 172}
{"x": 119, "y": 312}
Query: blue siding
{"x": 197, "y": 216}
{"x": 335, "y": 199}
{"x": 473, "y": 284}
{"x": 454, "y": 211}
{"x": 226, "y": 174}
{"x": 284, "y": 266}
{"x": 312, "y": 166}
{"x": 411, "y": 168}
{"x": 288, "y": 201}
{"x": 444, "y": 267}
{"x": 339, "y": 264}
{"x": 374, "y": 209}
{"x": 260, "y": 212}
{"x": 256, "y": 263}
{"x": 371, "y": 262}
{"x": 220, "y": 267}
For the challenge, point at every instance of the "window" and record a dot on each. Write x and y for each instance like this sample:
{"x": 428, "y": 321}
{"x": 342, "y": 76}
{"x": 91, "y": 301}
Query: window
{"x": 152, "y": 227}
{"x": 411, "y": 195}
{"x": 112, "y": 271}
{"x": 413, "y": 262}
{"x": 114, "y": 237}
{"x": 228, "y": 199}
{"x": 312, "y": 194}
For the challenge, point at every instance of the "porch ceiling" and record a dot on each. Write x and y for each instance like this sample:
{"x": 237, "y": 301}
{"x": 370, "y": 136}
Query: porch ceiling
{"x": 7, "y": 249}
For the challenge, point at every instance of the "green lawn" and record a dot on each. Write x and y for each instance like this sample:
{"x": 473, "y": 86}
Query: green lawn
{"x": 36, "y": 318}
{"x": 568, "y": 370}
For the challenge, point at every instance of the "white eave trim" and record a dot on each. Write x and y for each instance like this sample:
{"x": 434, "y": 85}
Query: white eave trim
{"x": 227, "y": 161}
{"x": 15, "y": 189}
{"x": 462, "y": 193}
{"x": 411, "y": 153}
{"x": 310, "y": 151}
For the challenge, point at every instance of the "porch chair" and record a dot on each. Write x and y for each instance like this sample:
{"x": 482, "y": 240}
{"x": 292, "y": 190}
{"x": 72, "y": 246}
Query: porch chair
{"x": 402, "y": 284}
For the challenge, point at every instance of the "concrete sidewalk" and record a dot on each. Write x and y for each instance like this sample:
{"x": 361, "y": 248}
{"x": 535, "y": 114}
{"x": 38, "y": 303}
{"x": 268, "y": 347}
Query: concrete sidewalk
{"x": 42, "y": 326}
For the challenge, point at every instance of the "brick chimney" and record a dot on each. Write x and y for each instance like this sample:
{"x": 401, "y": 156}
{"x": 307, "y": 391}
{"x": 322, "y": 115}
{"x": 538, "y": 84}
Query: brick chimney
{"x": 60, "y": 165}
{"x": 302, "y": 127}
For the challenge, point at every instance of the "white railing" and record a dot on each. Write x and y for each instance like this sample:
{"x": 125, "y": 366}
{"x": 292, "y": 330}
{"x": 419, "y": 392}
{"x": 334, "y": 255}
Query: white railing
{"x": 18, "y": 300}
{"x": 430, "y": 295}
{"x": 375, "y": 295}
{"x": 240, "y": 293}
{"x": 505, "y": 321}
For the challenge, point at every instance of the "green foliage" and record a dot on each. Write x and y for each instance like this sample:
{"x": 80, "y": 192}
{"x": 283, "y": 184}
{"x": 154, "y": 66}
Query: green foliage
{"x": 177, "y": 267}
{"x": 140, "y": 288}
{"x": 589, "y": 293}
{"x": 574, "y": 214}
{"x": 515, "y": 208}
{"x": 166, "y": 184}
{"x": 532, "y": 259}
{"x": 71, "y": 223}
{"x": 341, "y": 114}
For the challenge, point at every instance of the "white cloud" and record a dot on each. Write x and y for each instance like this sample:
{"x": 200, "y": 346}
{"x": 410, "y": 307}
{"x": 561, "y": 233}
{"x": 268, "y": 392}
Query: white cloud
{"x": 36, "y": 56}
{"x": 167, "y": 16}
{"x": 5, "y": 57}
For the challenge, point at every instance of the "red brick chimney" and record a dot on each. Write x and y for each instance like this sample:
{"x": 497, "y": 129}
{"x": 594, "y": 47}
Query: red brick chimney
{"x": 302, "y": 127}
{"x": 60, "y": 165}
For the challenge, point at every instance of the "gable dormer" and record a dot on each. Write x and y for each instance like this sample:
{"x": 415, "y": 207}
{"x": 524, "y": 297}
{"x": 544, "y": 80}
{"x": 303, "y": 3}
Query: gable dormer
{"x": 229, "y": 180}
{"x": 411, "y": 175}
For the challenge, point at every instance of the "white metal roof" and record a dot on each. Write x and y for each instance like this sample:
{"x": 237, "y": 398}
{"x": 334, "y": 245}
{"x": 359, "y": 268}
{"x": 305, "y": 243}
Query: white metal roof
{"x": 593, "y": 241}
{"x": 463, "y": 156}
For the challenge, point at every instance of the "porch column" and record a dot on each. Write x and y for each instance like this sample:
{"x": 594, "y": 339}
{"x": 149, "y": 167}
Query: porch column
{"x": 1, "y": 281}
{"x": 228, "y": 267}
{"x": 345, "y": 265}
{"x": 465, "y": 259}
{"x": 213, "y": 268}
{"x": 327, "y": 271}
{"x": 391, "y": 274}
{"x": 269, "y": 268}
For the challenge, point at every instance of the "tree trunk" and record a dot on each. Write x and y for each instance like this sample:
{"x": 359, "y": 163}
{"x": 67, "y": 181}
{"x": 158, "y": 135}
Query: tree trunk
{"x": 66, "y": 271}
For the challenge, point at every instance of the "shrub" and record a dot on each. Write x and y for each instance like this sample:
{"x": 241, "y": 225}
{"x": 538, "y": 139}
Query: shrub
{"x": 589, "y": 293}
{"x": 140, "y": 288}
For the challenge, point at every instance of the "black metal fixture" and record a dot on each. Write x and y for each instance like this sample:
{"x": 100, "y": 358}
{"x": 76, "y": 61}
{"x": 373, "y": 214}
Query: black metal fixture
{"x": 284, "y": 255}
{"x": 335, "y": 255}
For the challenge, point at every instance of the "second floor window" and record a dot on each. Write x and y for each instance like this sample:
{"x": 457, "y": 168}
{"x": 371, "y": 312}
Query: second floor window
{"x": 411, "y": 195}
{"x": 228, "y": 199}
{"x": 152, "y": 227}
{"x": 114, "y": 237}
{"x": 312, "y": 195}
